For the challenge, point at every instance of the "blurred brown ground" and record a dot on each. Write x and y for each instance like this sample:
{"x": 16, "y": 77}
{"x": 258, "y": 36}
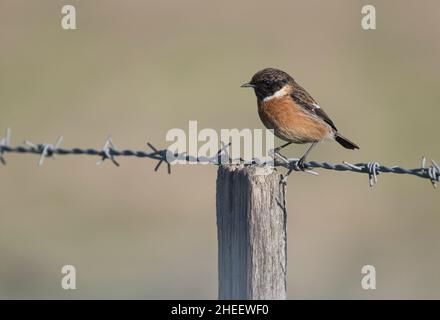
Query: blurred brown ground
{"x": 135, "y": 69}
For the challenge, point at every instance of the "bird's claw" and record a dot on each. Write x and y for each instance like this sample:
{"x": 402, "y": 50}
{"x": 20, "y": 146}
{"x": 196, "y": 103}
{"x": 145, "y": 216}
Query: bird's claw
{"x": 300, "y": 165}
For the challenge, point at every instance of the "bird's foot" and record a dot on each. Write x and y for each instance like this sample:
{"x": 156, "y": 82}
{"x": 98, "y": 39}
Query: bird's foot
{"x": 277, "y": 150}
{"x": 301, "y": 165}
{"x": 277, "y": 154}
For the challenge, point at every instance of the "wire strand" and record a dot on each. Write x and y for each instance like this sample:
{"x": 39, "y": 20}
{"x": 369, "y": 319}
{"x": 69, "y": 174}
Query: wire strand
{"x": 109, "y": 152}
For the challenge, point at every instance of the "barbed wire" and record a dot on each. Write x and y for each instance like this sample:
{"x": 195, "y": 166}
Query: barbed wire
{"x": 110, "y": 152}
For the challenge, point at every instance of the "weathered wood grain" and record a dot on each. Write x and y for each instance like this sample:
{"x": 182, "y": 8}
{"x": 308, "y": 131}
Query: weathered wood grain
{"x": 252, "y": 233}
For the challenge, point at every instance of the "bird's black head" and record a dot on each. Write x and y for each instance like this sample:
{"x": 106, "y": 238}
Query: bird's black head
{"x": 268, "y": 81}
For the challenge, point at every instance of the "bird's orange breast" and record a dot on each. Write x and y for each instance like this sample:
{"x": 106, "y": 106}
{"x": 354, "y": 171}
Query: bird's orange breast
{"x": 291, "y": 122}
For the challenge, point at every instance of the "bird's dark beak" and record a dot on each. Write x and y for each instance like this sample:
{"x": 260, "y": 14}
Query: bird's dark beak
{"x": 247, "y": 85}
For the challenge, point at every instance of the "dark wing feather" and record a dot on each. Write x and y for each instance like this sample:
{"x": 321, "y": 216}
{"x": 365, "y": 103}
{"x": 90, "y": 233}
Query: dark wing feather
{"x": 305, "y": 100}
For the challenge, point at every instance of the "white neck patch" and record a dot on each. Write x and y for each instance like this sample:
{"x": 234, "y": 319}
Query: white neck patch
{"x": 280, "y": 93}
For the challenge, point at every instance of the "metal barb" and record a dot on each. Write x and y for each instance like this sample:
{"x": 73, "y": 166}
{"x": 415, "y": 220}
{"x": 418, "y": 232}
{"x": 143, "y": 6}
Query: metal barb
{"x": 292, "y": 165}
{"x": 372, "y": 172}
{"x": 352, "y": 166}
{"x": 297, "y": 168}
{"x": 432, "y": 172}
{"x": 223, "y": 151}
{"x": 163, "y": 157}
{"x": 107, "y": 152}
{"x": 423, "y": 163}
{"x": 155, "y": 151}
{"x": 47, "y": 150}
{"x": 435, "y": 173}
{"x": 160, "y": 163}
{"x": 5, "y": 142}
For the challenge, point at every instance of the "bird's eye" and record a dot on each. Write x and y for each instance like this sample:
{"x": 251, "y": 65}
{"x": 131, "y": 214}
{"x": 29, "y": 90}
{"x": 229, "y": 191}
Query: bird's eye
{"x": 266, "y": 82}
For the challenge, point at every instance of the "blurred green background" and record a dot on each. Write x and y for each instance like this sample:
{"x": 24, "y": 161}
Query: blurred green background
{"x": 136, "y": 69}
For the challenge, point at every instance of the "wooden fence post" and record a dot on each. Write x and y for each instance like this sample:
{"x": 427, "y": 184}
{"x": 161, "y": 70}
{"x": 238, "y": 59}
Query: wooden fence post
{"x": 252, "y": 233}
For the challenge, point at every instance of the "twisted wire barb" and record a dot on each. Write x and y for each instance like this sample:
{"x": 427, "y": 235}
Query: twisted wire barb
{"x": 109, "y": 151}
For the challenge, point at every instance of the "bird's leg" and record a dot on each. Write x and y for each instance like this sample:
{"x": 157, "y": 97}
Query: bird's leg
{"x": 300, "y": 164}
{"x": 281, "y": 157}
{"x": 278, "y": 149}
{"x": 276, "y": 152}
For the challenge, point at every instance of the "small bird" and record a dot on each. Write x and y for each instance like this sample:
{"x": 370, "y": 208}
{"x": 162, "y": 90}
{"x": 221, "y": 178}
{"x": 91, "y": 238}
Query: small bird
{"x": 288, "y": 109}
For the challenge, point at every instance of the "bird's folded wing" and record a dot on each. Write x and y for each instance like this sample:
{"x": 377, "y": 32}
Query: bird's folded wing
{"x": 305, "y": 100}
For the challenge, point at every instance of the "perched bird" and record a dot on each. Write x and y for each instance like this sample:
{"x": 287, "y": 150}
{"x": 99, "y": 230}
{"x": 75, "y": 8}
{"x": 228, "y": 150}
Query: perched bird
{"x": 288, "y": 109}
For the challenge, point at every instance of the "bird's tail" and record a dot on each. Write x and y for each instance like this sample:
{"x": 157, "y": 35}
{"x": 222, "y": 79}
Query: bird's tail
{"x": 345, "y": 142}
